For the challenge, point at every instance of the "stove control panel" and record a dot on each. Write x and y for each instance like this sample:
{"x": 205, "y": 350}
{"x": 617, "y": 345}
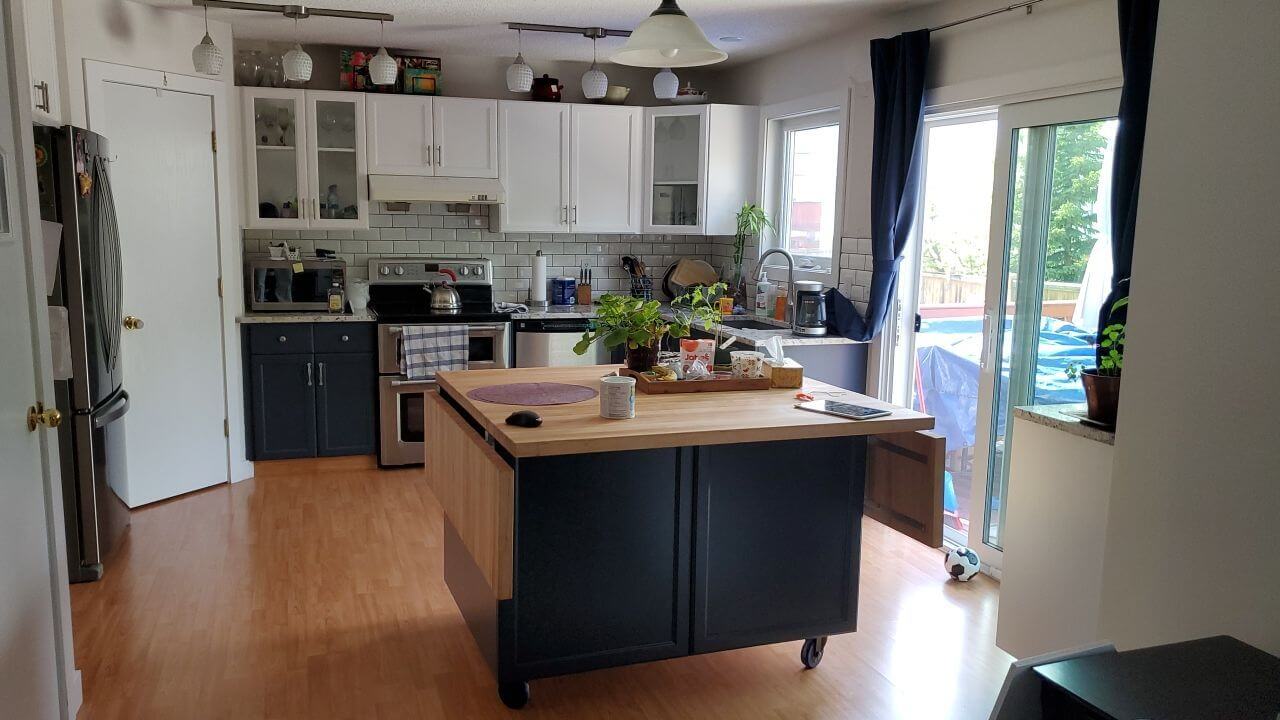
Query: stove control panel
{"x": 429, "y": 270}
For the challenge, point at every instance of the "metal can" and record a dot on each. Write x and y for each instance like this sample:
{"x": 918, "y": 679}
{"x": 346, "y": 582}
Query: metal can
{"x": 564, "y": 291}
{"x": 617, "y": 397}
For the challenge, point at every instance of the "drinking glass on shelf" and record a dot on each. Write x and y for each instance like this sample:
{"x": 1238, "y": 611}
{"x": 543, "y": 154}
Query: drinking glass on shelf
{"x": 284, "y": 117}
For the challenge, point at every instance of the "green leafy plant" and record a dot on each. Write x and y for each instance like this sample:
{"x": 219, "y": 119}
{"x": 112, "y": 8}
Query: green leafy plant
{"x": 752, "y": 220}
{"x": 628, "y": 321}
{"x": 1109, "y": 347}
{"x": 698, "y": 304}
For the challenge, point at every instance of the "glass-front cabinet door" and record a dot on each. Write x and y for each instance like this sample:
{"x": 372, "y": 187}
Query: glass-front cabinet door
{"x": 339, "y": 192}
{"x": 675, "y": 170}
{"x": 276, "y": 176}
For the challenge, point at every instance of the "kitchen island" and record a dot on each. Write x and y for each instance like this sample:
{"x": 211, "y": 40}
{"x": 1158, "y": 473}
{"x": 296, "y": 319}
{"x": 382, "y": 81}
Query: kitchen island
{"x": 710, "y": 521}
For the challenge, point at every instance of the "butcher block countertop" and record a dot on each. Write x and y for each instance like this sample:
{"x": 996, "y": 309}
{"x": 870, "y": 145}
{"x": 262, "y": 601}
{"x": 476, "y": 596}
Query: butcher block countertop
{"x": 668, "y": 420}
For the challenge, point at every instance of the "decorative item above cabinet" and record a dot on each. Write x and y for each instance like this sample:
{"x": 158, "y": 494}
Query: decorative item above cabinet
{"x": 700, "y": 166}
{"x": 432, "y": 136}
{"x": 305, "y": 164}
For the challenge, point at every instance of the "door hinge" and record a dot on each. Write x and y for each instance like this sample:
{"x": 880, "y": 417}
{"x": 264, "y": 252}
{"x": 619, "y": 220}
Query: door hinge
{"x": 226, "y": 428}
{"x": 214, "y": 136}
{"x": 219, "y": 287}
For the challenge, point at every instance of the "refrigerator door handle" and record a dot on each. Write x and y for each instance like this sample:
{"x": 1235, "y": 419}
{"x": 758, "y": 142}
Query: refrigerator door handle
{"x": 112, "y": 411}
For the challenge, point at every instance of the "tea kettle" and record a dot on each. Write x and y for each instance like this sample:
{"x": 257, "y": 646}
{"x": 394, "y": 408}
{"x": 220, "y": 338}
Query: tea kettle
{"x": 444, "y": 298}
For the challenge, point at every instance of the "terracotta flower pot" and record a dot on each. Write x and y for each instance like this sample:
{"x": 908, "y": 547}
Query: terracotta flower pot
{"x": 1102, "y": 393}
{"x": 642, "y": 359}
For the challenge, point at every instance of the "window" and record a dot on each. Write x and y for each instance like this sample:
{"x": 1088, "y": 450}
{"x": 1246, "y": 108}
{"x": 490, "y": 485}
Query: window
{"x": 802, "y": 187}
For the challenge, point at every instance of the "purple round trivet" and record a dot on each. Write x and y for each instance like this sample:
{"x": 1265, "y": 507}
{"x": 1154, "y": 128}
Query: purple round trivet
{"x": 541, "y": 393}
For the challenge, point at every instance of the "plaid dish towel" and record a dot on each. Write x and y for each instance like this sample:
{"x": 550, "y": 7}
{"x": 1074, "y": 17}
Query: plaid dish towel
{"x": 428, "y": 349}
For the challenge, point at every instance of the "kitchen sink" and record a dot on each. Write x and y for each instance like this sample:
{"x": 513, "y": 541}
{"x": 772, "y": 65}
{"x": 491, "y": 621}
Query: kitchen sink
{"x": 747, "y": 324}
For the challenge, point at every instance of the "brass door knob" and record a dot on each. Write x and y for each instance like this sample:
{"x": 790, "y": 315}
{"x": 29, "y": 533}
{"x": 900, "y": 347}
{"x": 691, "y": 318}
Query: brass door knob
{"x": 37, "y": 415}
{"x": 133, "y": 323}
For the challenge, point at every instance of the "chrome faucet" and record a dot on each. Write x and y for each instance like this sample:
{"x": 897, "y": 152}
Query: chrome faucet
{"x": 791, "y": 276}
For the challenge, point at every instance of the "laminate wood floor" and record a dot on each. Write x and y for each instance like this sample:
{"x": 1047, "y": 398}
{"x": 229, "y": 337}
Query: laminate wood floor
{"x": 316, "y": 591}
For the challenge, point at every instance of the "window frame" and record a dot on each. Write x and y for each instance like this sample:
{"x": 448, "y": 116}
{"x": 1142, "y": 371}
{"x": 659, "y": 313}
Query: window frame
{"x": 775, "y": 121}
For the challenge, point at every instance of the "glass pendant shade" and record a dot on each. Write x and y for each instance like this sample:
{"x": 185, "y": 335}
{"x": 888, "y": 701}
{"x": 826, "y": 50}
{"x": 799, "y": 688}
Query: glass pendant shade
{"x": 297, "y": 65}
{"x": 665, "y": 84}
{"x": 594, "y": 83}
{"x": 207, "y": 57}
{"x": 383, "y": 68}
{"x": 519, "y": 76}
{"x": 668, "y": 38}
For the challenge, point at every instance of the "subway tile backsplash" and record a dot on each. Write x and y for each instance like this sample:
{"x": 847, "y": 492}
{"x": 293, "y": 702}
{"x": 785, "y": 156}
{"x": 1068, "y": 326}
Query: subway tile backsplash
{"x": 428, "y": 229}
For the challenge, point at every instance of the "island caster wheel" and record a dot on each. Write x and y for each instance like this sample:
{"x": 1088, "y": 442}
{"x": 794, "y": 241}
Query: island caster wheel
{"x": 811, "y": 653}
{"x": 515, "y": 695}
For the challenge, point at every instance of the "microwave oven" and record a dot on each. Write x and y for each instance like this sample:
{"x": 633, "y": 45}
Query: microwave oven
{"x": 278, "y": 286}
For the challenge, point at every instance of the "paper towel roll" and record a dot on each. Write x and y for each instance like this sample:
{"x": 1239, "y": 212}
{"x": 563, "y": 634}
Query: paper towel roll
{"x": 538, "y": 283}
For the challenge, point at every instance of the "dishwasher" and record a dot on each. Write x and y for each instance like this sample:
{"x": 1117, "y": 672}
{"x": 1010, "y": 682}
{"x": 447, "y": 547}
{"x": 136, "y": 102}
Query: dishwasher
{"x": 549, "y": 343}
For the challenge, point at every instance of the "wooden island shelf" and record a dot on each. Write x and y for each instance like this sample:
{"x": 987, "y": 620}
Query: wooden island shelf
{"x": 710, "y": 521}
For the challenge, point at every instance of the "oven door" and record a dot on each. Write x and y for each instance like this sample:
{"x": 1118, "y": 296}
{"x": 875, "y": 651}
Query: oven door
{"x": 402, "y": 420}
{"x": 488, "y": 347}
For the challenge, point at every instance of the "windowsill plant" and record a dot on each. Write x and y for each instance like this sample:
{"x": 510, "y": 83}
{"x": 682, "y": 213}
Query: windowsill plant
{"x": 1102, "y": 383}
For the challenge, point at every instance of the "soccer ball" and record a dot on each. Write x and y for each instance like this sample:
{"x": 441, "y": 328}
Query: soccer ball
{"x": 962, "y": 563}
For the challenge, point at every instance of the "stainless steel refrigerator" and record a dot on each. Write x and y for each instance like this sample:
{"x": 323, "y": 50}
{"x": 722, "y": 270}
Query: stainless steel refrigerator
{"x": 75, "y": 190}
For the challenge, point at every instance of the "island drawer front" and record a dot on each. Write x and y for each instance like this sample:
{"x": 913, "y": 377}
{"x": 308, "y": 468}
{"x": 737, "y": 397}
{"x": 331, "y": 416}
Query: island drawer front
{"x": 346, "y": 337}
{"x": 601, "y": 563}
{"x": 776, "y": 551}
{"x": 280, "y": 339}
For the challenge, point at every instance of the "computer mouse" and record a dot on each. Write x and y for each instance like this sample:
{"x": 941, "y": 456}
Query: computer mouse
{"x": 524, "y": 418}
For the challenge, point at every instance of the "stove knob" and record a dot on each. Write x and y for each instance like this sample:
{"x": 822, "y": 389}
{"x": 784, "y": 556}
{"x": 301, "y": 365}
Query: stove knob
{"x": 399, "y": 270}
{"x": 478, "y": 270}
{"x": 384, "y": 270}
{"x": 465, "y": 270}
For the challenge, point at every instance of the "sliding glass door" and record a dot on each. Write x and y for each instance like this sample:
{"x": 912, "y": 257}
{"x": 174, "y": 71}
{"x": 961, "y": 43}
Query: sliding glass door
{"x": 1048, "y": 271}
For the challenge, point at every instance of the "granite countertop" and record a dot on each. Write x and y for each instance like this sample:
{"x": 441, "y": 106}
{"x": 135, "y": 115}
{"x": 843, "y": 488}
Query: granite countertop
{"x": 746, "y": 336}
{"x": 1060, "y": 417}
{"x": 302, "y": 317}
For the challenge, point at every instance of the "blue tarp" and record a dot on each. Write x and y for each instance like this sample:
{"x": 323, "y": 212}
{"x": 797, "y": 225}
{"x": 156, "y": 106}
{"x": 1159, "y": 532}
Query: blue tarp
{"x": 947, "y": 355}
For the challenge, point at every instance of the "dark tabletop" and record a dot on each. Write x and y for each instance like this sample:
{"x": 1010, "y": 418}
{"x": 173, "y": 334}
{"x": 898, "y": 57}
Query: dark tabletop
{"x": 1217, "y": 678}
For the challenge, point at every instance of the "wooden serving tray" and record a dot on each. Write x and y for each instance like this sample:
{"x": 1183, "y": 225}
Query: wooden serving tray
{"x": 662, "y": 387}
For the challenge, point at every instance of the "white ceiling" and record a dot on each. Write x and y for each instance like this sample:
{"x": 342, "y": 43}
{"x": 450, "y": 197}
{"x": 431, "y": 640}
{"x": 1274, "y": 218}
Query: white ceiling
{"x": 475, "y": 27}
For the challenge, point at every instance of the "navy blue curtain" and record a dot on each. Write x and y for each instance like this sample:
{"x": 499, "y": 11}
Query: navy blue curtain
{"x": 1137, "y": 51}
{"x": 897, "y": 74}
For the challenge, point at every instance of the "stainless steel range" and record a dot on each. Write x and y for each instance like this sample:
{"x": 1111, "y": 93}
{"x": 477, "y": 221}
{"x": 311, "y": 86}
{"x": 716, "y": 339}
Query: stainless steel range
{"x": 399, "y": 296}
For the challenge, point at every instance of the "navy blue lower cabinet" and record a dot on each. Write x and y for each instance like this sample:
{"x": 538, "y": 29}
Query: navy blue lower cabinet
{"x": 346, "y": 404}
{"x": 283, "y": 411}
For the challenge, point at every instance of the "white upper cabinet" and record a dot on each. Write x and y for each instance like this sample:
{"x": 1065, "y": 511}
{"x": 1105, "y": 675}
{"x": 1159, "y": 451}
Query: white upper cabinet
{"x": 604, "y": 169}
{"x": 400, "y": 135}
{"x": 305, "y": 159}
{"x": 570, "y": 168}
{"x": 445, "y": 137}
{"x": 42, "y": 61}
{"x": 699, "y": 167}
{"x": 533, "y": 164}
{"x": 466, "y": 137}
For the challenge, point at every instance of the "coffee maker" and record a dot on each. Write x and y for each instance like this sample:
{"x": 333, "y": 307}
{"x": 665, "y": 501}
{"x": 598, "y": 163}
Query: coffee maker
{"x": 811, "y": 310}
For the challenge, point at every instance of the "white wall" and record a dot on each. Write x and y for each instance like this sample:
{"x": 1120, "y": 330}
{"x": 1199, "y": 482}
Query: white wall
{"x": 1063, "y": 43}
{"x": 1194, "y": 535}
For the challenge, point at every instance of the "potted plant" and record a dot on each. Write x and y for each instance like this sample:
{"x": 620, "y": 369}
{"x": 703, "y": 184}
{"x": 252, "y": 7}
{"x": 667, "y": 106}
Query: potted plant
{"x": 1102, "y": 383}
{"x": 752, "y": 220}
{"x": 634, "y": 323}
{"x": 699, "y": 304}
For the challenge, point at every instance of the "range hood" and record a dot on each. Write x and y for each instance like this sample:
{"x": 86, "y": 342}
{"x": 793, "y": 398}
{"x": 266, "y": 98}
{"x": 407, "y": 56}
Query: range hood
{"x": 414, "y": 188}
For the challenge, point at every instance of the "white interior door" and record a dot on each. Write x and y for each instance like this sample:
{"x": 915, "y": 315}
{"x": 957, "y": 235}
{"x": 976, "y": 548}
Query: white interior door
{"x": 399, "y": 139}
{"x": 31, "y": 550}
{"x": 604, "y": 169}
{"x": 165, "y": 191}
{"x": 1045, "y": 152}
{"x": 534, "y": 160}
{"x": 466, "y": 136}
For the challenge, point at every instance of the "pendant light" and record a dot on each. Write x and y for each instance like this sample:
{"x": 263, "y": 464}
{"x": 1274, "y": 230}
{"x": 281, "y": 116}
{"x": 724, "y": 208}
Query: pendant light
{"x": 666, "y": 39}
{"x": 297, "y": 63}
{"x": 519, "y": 74}
{"x": 665, "y": 84}
{"x": 594, "y": 82}
{"x": 383, "y": 68}
{"x": 206, "y": 56}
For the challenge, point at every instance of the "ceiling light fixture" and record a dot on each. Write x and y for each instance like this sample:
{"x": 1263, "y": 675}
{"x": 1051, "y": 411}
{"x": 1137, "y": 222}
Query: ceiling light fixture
{"x": 519, "y": 74}
{"x": 206, "y": 56}
{"x": 383, "y": 68}
{"x": 297, "y": 63}
{"x": 668, "y": 38}
{"x": 665, "y": 84}
{"x": 594, "y": 82}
